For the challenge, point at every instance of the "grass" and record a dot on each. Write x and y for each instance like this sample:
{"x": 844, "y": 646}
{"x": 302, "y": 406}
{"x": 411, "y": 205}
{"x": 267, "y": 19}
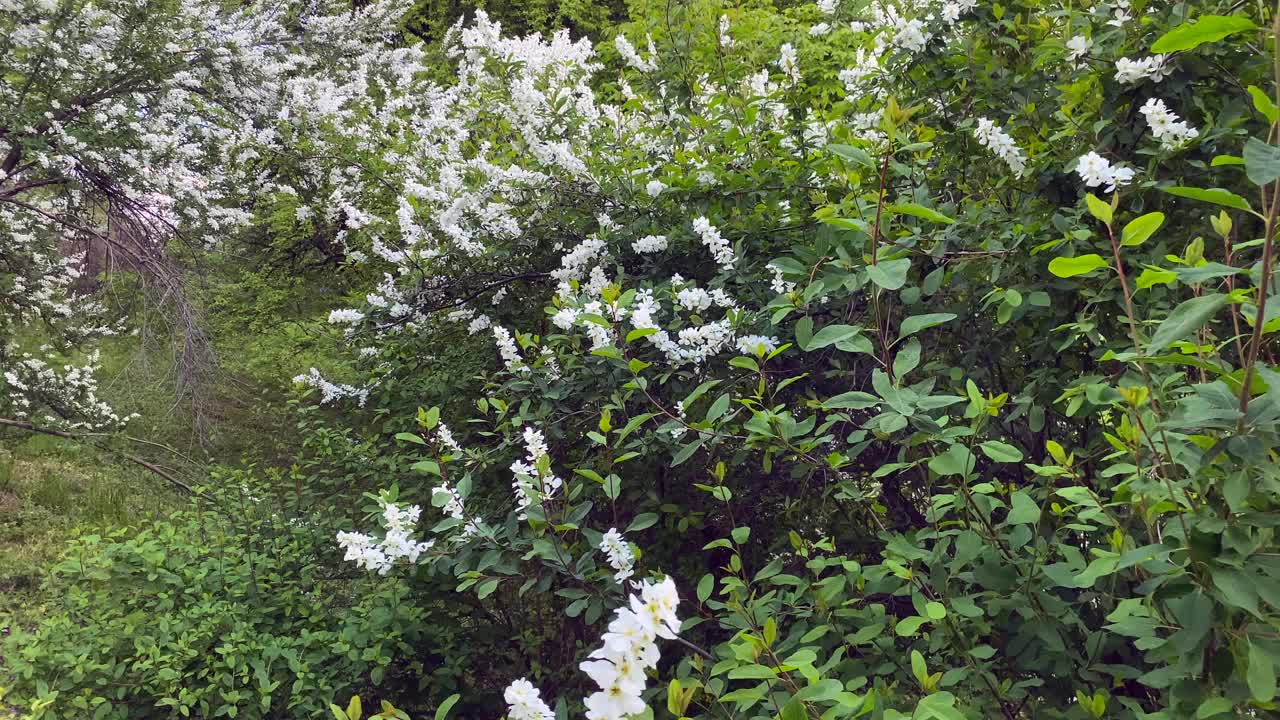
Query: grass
{"x": 48, "y": 487}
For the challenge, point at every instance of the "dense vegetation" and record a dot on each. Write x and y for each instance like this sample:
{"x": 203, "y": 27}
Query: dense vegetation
{"x": 681, "y": 359}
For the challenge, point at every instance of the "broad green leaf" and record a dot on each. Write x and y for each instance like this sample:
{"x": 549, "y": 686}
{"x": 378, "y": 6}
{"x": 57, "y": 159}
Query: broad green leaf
{"x": 918, "y": 667}
{"x": 1185, "y": 319}
{"x": 1217, "y": 196}
{"x": 1261, "y": 161}
{"x": 852, "y": 400}
{"x": 1207, "y": 28}
{"x": 935, "y": 610}
{"x": 1262, "y": 102}
{"x": 354, "y": 711}
{"x": 920, "y": 211}
{"x": 890, "y": 274}
{"x": 916, "y": 323}
{"x": 442, "y": 712}
{"x": 856, "y": 154}
{"x": 410, "y": 437}
{"x": 1000, "y": 451}
{"x": 1098, "y": 208}
{"x": 909, "y": 625}
{"x": 1141, "y": 228}
{"x": 1022, "y": 509}
{"x": 1261, "y": 674}
{"x": 1213, "y": 707}
{"x": 907, "y": 359}
{"x": 643, "y": 521}
{"x": 957, "y": 460}
{"x": 1065, "y": 267}
{"x": 1156, "y": 276}
{"x": 705, "y": 586}
{"x": 830, "y": 335}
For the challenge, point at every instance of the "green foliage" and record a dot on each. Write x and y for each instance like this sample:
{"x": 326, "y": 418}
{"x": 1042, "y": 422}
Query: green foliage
{"x": 209, "y": 614}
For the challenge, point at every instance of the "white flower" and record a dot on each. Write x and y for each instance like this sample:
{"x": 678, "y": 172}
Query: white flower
{"x": 619, "y": 553}
{"x": 1096, "y": 170}
{"x": 910, "y": 35}
{"x": 787, "y": 62}
{"x": 726, "y": 40}
{"x": 346, "y": 316}
{"x": 632, "y": 58}
{"x": 750, "y": 344}
{"x": 525, "y": 702}
{"x": 820, "y": 29}
{"x": 565, "y": 318}
{"x": 1165, "y": 125}
{"x": 655, "y": 188}
{"x": 1077, "y": 48}
{"x": 999, "y": 142}
{"x": 828, "y": 7}
{"x": 1134, "y": 71}
{"x": 718, "y": 246}
{"x": 650, "y": 244}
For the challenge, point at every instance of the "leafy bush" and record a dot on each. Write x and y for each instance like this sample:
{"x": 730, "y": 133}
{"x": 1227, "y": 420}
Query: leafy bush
{"x": 923, "y": 350}
{"x": 211, "y": 614}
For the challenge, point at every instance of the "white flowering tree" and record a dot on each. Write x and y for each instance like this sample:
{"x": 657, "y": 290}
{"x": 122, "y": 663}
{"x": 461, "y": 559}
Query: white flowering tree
{"x": 916, "y": 354}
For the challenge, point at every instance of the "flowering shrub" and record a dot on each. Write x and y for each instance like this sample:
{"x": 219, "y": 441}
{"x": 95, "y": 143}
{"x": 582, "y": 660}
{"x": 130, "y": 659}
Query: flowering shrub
{"x": 918, "y": 354}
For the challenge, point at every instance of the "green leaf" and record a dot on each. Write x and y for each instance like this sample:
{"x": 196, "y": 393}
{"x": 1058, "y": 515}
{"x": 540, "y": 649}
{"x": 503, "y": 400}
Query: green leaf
{"x": 1217, "y": 196}
{"x": 830, "y": 335}
{"x": 1237, "y": 588}
{"x": 1022, "y": 510}
{"x": 338, "y": 714}
{"x": 1098, "y": 208}
{"x": 643, "y": 521}
{"x": 1208, "y": 28}
{"x": 353, "y": 708}
{"x": 918, "y": 667}
{"x": 1261, "y": 161}
{"x": 890, "y": 274}
{"x": 1141, "y": 228}
{"x": 1156, "y": 276}
{"x": 1261, "y": 675}
{"x": 907, "y": 359}
{"x": 909, "y": 625}
{"x": 486, "y": 588}
{"x": 1212, "y": 707}
{"x": 935, "y": 610}
{"x": 849, "y": 152}
{"x": 410, "y": 437}
{"x": 1185, "y": 319}
{"x": 639, "y": 333}
{"x": 718, "y": 407}
{"x": 1262, "y": 102}
{"x": 1065, "y": 267}
{"x": 1000, "y": 452}
{"x": 705, "y": 586}
{"x": 916, "y": 323}
{"x": 442, "y": 712}
{"x": 853, "y": 400}
{"x": 752, "y": 672}
{"x": 920, "y": 211}
{"x": 957, "y": 460}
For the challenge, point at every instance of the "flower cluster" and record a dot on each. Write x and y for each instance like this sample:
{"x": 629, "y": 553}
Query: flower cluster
{"x": 1096, "y": 171}
{"x": 619, "y": 553}
{"x": 524, "y": 702}
{"x": 716, "y": 243}
{"x": 1166, "y": 126}
{"x": 999, "y": 142}
{"x": 534, "y": 479}
{"x": 397, "y": 542}
{"x": 1134, "y": 71}
{"x": 630, "y": 648}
